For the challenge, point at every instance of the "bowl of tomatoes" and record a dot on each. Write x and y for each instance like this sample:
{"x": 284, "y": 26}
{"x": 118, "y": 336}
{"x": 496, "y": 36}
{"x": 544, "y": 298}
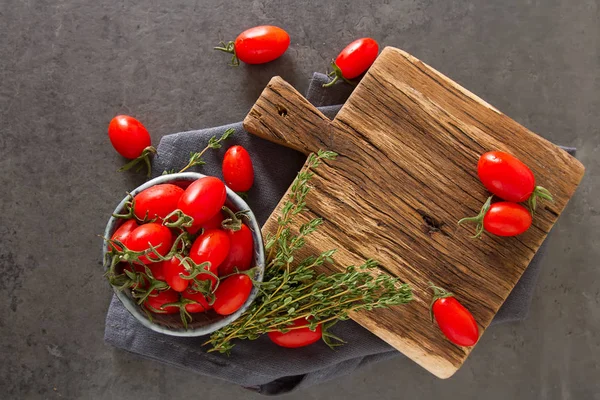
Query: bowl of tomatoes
{"x": 184, "y": 254}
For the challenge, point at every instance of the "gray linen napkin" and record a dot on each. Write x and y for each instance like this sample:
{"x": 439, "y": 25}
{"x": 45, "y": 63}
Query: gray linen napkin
{"x": 261, "y": 365}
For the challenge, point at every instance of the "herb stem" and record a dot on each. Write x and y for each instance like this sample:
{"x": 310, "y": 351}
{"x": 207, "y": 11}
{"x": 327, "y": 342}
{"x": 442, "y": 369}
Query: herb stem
{"x": 213, "y": 143}
{"x": 193, "y": 160}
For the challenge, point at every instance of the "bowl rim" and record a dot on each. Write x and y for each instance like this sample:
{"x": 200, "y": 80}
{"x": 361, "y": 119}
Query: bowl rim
{"x": 259, "y": 257}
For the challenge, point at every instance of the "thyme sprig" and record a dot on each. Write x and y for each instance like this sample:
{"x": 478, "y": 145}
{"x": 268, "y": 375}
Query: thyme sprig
{"x": 213, "y": 143}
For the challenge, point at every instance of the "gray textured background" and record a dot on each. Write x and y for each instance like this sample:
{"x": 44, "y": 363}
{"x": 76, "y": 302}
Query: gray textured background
{"x": 67, "y": 67}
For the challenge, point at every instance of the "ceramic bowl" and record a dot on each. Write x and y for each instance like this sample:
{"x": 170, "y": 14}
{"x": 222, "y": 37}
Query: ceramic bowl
{"x": 203, "y": 323}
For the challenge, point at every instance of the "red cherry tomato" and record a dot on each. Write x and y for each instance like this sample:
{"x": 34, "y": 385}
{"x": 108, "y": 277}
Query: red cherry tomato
{"x": 354, "y": 60}
{"x": 357, "y": 57}
{"x": 501, "y": 219}
{"x": 156, "y": 300}
{"x": 232, "y": 293}
{"x": 241, "y": 252}
{"x": 297, "y": 337}
{"x": 123, "y": 232}
{"x": 238, "y": 172}
{"x": 454, "y": 320}
{"x": 506, "y": 176}
{"x": 258, "y": 45}
{"x": 172, "y": 269}
{"x": 157, "y": 235}
{"x": 507, "y": 219}
{"x": 201, "y": 306}
{"x": 157, "y": 201}
{"x": 212, "y": 246}
{"x": 128, "y": 136}
{"x": 203, "y": 199}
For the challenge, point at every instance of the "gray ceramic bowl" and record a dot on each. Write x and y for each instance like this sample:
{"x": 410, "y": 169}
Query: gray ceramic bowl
{"x": 203, "y": 323}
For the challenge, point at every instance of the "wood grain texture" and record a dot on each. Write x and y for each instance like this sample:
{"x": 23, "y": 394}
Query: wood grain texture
{"x": 408, "y": 141}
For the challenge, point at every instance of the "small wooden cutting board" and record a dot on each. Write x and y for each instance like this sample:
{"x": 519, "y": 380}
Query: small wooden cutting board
{"x": 408, "y": 140}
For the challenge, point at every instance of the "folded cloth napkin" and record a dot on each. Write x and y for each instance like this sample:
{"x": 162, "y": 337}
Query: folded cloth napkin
{"x": 260, "y": 365}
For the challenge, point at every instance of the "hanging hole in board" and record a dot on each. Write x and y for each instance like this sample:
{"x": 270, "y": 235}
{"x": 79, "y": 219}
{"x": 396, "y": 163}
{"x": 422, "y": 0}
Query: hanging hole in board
{"x": 282, "y": 111}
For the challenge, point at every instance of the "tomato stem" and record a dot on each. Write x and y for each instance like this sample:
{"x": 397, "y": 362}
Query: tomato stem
{"x": 183, "y": 313}
{"x": 129, "y": 207}
{"x": 438, "y": 293}
{"x": 249, "y": 273}
{"x": 332, "y": 82}
{"x": 145, "y": 157}
{"x": 182, "y": 220}
{"x": 155, "y": 310}
{"x": 479, "y": 218}
{"x": 540, "y": 192}
{"x": 338, "y": 75}
{"x": 229, "y": 47}
{"x": 233, "y": 222}
{"x": 204, "y": 286}
{"x": 155, "y": 285}
{"x": 157, "y": 256}
{"x": 124, "y": 254}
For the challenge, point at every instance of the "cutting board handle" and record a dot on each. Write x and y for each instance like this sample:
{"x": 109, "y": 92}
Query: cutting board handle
{"x": 284, "y": 116}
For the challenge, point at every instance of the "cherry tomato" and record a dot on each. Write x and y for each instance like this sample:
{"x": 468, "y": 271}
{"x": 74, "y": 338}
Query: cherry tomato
{"x": 156, "y": 300}
{"x": 297, "y": 337}
{"x": 212, "y": 246}
{"x": 502, "y": 219}
{"x": 232, "y": 293}
{"x": 258, "y": 45}
{"x": 507, "y": 219}
{"x": 157, "y": 201}
{"x": 505, "y": 176}
{"x": 128, "y": 136}
{"x": 123, "y": 232}
{"x": 203, "y": 199}
{"x": 508, "y": 178}
{"x": 172, "y": 269}
{"x": 201, "y": 306}
{"x": 156, "y": 234}
{"x": 454, "y": 320}
{"x": 238, "y": 172}
{"x": 354, "y": 60}
{"x": 241, "y": 252}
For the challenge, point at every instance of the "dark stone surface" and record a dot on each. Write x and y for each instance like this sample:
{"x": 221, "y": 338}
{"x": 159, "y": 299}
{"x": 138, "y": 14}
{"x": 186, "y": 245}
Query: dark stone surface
{"x": 67, "y": 67}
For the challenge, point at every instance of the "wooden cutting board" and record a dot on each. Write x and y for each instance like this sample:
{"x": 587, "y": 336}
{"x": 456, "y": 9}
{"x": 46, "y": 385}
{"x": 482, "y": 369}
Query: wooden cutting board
{"x": 408, "y": 140}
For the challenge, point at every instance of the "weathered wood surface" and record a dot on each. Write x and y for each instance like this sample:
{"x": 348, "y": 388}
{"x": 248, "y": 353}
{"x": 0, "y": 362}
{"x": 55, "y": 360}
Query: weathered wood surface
{"x": 408, "y": 141}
